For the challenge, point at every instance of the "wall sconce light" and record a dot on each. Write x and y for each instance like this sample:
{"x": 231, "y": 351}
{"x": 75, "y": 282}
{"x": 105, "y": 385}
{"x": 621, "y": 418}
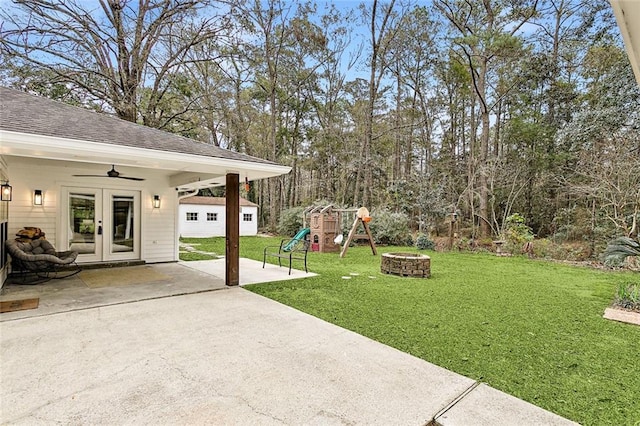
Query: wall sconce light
{"x": 5, "y": 191}
{"x": 156, "y": 201}
{"x": 37, "y": 197}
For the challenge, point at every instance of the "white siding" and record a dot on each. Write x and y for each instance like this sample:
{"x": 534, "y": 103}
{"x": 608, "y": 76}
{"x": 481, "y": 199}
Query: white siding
{"x": 159, "y": 242}
{"x": 158, "y": 236}
{"x": 202, "y": 227}
{"x": 205, "y": 229}
{"x": 24, "y": 180}
{"x": 249, "y": 228}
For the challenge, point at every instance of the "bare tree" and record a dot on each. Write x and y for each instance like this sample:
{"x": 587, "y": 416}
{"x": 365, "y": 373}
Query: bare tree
{"x": 111, "y": 51}
{"x": 610, "y": 176}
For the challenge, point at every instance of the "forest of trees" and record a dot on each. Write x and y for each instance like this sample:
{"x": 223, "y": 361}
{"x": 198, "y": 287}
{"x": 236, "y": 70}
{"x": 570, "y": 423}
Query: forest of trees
{"x": 485, "y": 108}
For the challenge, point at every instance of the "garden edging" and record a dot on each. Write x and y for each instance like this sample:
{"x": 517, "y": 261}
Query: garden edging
{"x": 622, "y": 315}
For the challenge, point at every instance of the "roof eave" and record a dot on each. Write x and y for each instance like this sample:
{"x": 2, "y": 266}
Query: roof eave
{"x": 626, "y": 13}
{"x": 185, "y": 166}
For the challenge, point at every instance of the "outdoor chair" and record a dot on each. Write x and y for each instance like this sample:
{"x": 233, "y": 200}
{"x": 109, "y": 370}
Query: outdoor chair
{"x": 289, "y": 251}
{"x": 40, "y": 258}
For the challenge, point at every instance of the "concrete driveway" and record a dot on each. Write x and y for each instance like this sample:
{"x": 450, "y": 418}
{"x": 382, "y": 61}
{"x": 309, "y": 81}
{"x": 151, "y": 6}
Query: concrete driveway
{"x": 228, "y": 357}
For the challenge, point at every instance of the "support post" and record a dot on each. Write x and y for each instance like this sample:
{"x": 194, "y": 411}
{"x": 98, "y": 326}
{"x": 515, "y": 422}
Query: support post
{"x": 232, "y": 252}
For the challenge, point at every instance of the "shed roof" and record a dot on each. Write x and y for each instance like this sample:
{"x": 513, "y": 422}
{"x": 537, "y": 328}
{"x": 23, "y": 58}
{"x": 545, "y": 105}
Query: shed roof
{"x": 214, "y": 201}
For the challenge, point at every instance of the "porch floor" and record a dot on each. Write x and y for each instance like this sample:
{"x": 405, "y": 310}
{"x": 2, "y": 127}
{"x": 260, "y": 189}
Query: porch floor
{"x": 115, "y": 285}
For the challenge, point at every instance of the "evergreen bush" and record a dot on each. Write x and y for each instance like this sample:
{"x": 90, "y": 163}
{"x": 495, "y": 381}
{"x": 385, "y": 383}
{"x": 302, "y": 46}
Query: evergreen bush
{"x": 391, "y": 228}
{"x": 423, "y": 242}
{"x": 290, "y": 221}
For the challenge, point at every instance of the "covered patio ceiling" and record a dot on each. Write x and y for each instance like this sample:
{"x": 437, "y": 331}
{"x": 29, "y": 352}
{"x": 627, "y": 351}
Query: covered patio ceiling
{"x": 627, "y": 14}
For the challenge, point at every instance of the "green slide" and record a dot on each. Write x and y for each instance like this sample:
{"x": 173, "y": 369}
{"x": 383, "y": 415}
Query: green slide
{"x": 299, "y": 237}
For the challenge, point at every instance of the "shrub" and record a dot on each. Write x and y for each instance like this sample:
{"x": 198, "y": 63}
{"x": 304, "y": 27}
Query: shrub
{"x": 548, "y": 249}
{"x": 290, "y": 221}
{"x": 425, "y": 243}
{"x": 516, "y": 233}
{"x": 628, "y": 296}
{"x": 572, "y": 224}
{"x": 391, "y": 228}
{"x": 483, "y": 245}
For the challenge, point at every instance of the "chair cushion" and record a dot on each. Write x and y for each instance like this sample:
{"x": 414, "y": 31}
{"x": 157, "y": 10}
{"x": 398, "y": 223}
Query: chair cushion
{"x": 36, "y": 254}
{"x": 39, "y": 246}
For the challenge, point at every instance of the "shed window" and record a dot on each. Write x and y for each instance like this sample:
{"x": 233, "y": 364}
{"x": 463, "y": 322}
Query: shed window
{"x": 247, "y": 217}
{"x": 212, "y": 217}
{"x": 191, "y": 217}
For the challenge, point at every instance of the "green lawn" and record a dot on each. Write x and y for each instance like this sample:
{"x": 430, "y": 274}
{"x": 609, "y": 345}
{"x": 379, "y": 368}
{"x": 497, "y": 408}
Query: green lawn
{"x": 530, "y": 328}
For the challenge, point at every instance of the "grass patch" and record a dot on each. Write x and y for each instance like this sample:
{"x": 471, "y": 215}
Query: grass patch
{"x": 533, "y": 329}
{"x": 189, "y": 256}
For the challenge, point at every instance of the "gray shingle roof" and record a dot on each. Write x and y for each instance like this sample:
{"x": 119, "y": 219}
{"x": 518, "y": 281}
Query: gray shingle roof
{"x": 26, "y": 113}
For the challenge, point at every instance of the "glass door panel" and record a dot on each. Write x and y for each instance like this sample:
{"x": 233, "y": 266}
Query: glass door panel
{"x": 82, "y": 222}
{"x": 123, "y": 224}
{"x": 101, "y": 224}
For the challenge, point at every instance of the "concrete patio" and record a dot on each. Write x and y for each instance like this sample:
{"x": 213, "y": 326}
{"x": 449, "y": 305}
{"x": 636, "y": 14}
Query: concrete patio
{"x": 193, "y": 351}
{"x": 168, "y": 279}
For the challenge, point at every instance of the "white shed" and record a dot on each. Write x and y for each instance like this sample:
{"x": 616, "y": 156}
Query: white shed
{"x": 203, "y": 217}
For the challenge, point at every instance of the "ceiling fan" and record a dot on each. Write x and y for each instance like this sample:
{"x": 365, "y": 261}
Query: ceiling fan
{"x": 113, "y": 173}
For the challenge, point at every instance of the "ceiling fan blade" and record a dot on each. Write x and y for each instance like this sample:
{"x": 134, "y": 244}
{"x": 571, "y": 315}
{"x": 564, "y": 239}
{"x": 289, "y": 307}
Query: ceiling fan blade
{"x": 113, "y": 173}
{"x": 130, "y": 178}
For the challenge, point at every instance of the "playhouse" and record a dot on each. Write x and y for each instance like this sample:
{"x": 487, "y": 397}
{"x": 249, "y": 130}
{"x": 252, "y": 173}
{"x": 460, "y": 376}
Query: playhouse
{"x": 325, "y": 228}
{"x": 324, "y": 225}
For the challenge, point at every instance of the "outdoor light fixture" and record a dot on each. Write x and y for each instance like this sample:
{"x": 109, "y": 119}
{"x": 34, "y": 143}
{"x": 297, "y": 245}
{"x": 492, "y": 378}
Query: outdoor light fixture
{"x": 37, "y": 197}
{"x": 5, "y": 191}
{"x": 156, "y": 201}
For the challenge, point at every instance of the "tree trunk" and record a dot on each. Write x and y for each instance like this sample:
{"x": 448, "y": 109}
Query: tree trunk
{"x": 485, "y": 230}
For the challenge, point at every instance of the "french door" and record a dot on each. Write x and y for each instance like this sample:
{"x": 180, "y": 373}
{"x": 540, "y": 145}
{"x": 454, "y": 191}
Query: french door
{"x": 102, "y": 224}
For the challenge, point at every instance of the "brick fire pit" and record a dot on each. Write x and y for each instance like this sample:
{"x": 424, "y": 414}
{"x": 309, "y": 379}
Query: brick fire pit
{"x": 406, "y": 264}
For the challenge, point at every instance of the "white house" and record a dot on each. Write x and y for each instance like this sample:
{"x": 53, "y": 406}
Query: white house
{"x": 105, "y": 187}
{"x": 203, "y": 217}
